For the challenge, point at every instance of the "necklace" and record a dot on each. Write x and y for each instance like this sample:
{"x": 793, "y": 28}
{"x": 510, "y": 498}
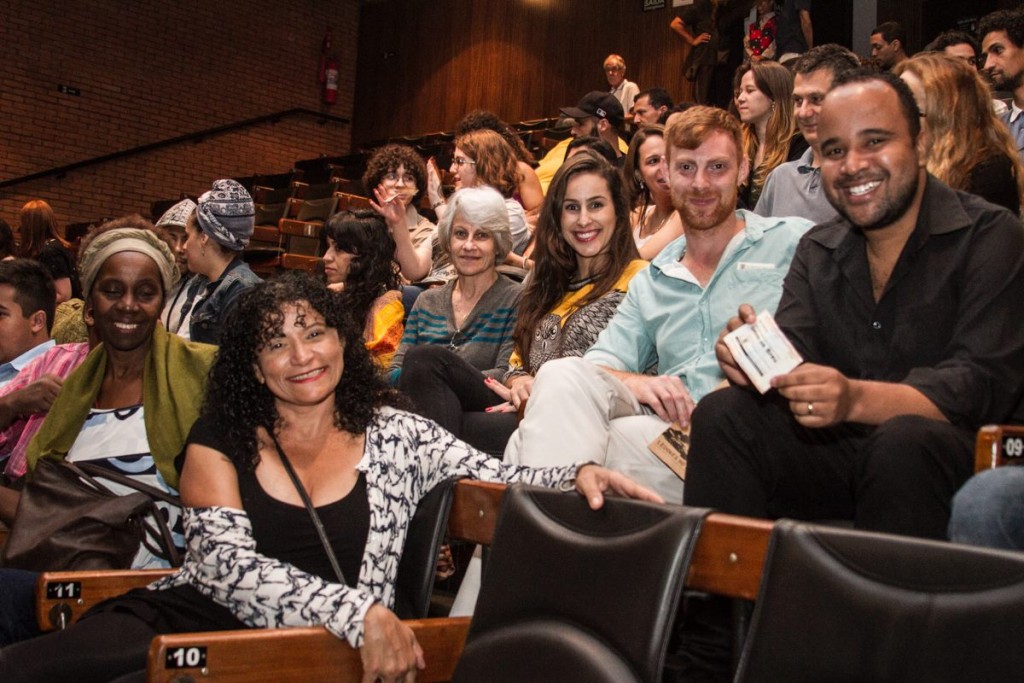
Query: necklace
{"x": 647, "y": 219}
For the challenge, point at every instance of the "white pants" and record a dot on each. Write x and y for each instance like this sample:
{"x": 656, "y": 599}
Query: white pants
{"x": 577, "y": 412}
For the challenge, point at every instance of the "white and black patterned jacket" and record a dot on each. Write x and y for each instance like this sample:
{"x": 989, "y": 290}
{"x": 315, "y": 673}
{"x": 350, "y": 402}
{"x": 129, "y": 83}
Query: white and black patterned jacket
{"x": 405, "y": 456}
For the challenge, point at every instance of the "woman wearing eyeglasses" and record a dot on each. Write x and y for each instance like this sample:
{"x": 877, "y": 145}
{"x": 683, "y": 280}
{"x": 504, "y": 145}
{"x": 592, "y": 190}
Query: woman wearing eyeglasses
{"x": 466, "y": 324}
{"x": 398, "y": 177}
{"x": 482, "y": 157}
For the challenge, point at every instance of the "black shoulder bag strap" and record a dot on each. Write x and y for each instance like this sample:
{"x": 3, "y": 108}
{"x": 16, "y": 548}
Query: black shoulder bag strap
{"x": 310, "y": 509}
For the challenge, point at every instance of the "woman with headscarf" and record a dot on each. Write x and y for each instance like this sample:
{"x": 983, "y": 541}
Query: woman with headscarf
{"x": 131, "y": 403}
{"x": 218, "y": 232}
{"x": 177, "y": 313}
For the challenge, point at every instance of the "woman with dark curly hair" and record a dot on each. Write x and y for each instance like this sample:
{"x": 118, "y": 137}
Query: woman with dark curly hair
{"x": 41, "y": 241}
{"x": 292, "y": 384}
{"x": 645, "y": 175}
{"x": 400, "y": 175}
{"x": 360, "y": 264}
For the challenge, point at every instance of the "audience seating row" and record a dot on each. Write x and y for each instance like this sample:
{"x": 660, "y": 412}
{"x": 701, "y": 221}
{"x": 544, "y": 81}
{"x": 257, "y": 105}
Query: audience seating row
{"x": 879, "y": 607}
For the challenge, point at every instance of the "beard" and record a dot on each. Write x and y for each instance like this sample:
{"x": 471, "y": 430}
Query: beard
{"x": 705, "y": 218}
{"x": 888, "y": 209}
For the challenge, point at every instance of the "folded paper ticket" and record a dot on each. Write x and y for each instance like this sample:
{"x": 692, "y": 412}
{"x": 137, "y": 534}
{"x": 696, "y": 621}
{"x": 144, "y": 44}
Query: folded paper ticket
{"x": 762, "y": 351}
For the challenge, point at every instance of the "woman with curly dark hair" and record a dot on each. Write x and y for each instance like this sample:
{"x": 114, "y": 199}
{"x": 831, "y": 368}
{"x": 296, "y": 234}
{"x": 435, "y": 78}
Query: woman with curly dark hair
{"x": 294, "y": 409}
{"x": 360, "y": 264}
{"x": 398, "y": 172}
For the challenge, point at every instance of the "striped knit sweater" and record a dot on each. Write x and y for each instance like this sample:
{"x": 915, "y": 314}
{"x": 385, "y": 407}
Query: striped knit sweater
{"x": 485, "y": 338}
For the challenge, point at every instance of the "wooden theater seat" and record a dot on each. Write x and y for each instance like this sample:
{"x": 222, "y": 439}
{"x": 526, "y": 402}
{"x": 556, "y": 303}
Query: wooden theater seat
{"x": 299, "y": 262}
{"x": 728, "y": 560}
{"x": 294, "y": 655}
{"x": 999, "y": 445}
{"x": 62, "y": 597}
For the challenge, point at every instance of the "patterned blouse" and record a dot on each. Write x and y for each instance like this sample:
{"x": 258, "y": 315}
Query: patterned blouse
{"x": 570, "y": 329}
{"x": 404, "y": 457}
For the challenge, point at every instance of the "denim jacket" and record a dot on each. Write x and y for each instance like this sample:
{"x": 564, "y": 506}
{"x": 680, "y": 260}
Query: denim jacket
{"x": 209, "y": 314}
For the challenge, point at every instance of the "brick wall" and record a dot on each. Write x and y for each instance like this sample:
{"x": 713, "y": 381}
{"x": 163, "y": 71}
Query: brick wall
{"x": 149, "y": 70}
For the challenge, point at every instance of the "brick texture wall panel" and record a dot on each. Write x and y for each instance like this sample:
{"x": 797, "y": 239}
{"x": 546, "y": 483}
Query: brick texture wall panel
{"x": 151, "y": 70}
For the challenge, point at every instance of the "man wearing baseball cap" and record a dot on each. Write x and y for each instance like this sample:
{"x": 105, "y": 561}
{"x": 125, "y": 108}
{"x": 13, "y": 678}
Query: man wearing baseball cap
{"x": 598, "y": 114}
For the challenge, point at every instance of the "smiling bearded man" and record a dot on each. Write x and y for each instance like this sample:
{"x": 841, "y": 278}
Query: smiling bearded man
{"x": 903, "y": 310}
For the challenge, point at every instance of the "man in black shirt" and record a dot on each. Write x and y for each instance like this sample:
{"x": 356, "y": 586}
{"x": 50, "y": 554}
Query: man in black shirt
{"x": 903, "y": 310}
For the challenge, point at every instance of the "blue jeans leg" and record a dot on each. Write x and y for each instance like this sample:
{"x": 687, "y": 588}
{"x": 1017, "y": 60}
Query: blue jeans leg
{"x": 989, "y": 510}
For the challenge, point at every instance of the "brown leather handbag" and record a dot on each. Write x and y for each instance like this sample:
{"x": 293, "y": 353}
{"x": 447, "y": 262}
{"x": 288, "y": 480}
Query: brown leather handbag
{"x": 68, "y": 520}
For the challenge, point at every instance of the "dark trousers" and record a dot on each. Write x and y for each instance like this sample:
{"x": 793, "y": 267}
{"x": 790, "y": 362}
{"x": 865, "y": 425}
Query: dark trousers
{"x": 749, "y": 456}
{"x": 17, "y": 606}
{"x": 448, "y": 390}
{"x": 103, "y": 648}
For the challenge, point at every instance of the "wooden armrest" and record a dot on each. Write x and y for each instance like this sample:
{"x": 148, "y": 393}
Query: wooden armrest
{"x": 999, "y": 445}
{"x": 62, "y": 597}
{"x": 292, "y": 654}
{"x": 475, "y": 511}
{"x": 300, "y": 262}
{"x": 729, "y": 556}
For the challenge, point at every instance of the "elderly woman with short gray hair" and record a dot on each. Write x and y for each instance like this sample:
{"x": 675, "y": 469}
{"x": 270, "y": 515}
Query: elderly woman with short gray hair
{"x": 459, "y": 334}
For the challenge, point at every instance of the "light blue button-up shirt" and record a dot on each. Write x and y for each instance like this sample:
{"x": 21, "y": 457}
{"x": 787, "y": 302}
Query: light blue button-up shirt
{"x": 10, "y": 369}
{"x": 668, "y": 323}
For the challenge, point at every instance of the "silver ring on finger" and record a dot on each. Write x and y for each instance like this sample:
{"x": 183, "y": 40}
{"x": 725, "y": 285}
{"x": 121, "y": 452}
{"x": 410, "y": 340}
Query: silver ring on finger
{"x": 810, "y": 408}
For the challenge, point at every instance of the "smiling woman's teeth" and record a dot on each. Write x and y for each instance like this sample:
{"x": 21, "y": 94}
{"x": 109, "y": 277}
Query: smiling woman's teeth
{"x": 307, "y": 375}
{"x": 127, "y": 327}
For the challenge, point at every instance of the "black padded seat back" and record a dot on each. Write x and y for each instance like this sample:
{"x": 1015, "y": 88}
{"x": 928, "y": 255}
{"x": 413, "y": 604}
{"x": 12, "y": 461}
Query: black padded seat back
{"x": 612, "y": 576}
{"x": 845, "y": 605}
{"x": 415, "y": 579}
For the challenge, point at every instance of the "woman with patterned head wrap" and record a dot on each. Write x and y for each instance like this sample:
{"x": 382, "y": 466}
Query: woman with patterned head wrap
{"x": 218, "y": 232}
{"x": 177, "y": 313}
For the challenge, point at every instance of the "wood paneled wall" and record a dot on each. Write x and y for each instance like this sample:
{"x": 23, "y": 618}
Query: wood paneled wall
{"x": 424, "y": 63}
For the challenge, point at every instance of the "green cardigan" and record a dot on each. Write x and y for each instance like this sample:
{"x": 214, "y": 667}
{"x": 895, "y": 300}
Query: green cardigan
{"x": 172, "y": 392}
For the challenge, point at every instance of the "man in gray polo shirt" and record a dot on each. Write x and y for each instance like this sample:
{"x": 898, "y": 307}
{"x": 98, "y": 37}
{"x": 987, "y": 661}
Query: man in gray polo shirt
{"x": 794, "y": 188}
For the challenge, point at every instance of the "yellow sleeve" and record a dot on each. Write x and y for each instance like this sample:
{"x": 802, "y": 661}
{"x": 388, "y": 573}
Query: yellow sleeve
{"x": 384, "y": 329}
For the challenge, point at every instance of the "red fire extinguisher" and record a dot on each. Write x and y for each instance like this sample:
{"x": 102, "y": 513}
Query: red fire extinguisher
{"x": 328, "y": 70}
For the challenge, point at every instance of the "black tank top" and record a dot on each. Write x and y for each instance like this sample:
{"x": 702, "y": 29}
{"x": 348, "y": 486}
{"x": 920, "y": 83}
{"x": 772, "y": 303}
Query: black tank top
{"x": 286, "y": 532}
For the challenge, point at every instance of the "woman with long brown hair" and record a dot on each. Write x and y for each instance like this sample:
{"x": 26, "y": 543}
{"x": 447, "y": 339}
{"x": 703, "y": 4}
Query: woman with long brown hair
{"x": 764, "y": 102}
{"x": 40, "y": 240}
{"x": 968, "y": 147}
{"x": 585, "y": 257}
{"x": 645, "y": 176}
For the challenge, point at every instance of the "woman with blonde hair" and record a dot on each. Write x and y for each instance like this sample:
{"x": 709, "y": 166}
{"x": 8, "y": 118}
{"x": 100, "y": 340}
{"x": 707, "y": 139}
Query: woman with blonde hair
{"x": 764, "y": 102}
{"x": 967, "y": 146}
{"x": 40, "y": 240}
